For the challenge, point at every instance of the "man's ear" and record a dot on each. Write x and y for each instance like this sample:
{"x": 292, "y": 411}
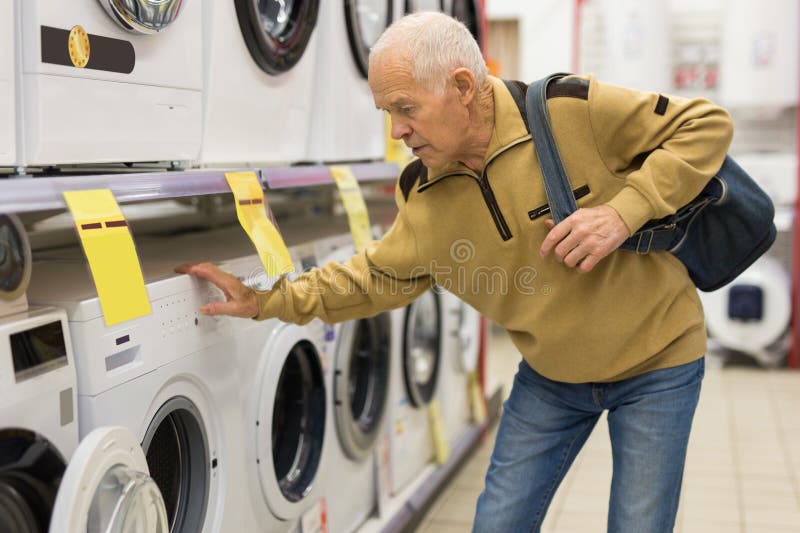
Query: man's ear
{"x": 464, "y": 82}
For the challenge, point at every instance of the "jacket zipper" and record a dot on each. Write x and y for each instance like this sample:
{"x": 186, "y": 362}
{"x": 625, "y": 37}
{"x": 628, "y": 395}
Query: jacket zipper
{"x": 494, "y": 209}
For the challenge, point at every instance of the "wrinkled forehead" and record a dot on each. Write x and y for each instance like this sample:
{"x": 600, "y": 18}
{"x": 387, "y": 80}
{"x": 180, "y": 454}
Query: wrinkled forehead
{"x": 391, "y": 73}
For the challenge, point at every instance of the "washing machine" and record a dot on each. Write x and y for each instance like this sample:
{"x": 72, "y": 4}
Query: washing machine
{"x": 108, "y": 81}
{"x": 416, "y": 367}
{"x": 461, "y": 331}
{"x": 358, "y": 354}
{"x": 8, "y": 123}
{"x": 162, "y": 376}
{"x": 259, "y": 59}
{"x": 346, "y": 126}
{"x": 47, "y": 481}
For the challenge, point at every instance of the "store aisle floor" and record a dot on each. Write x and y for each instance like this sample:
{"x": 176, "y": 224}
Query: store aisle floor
{"x": 742, "y": 473}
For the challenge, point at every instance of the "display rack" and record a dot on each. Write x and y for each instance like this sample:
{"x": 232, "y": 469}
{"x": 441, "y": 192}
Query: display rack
{"x": 25, "y": 194}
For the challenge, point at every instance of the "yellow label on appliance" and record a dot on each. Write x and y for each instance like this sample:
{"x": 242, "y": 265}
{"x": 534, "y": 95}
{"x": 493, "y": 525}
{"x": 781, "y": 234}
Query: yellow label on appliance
{"x": 251, "y": 210}
{"x": 354, "y": 205}
{"x": 109, "y": 248}
{"x": 441, "y": 449}
{"x": 78, "y": 45}
{"x": 396, "y": 150}
{"x": 477, "y": 402}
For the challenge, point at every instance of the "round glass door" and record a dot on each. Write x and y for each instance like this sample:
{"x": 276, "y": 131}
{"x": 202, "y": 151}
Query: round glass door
{"x": 276, "y": 31}
{"x": 144, "y": 16}
{"x": 298, "y": 421}
{"x": 15, "y": 258}
{"x": 361, "y": 383}
{"x": 107, "y": 488}
{"x": 366, "y": 20}
{"x": 422, "y": 348}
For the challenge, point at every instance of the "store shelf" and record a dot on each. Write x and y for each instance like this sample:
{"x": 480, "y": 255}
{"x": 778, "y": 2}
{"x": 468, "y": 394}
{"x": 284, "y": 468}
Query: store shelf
{"x": 284, "y": 177}
{"x": 24, "y": 194}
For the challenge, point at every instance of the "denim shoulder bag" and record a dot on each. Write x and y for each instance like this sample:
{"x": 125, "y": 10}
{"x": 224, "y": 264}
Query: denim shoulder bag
{"x": 716, "y": 236}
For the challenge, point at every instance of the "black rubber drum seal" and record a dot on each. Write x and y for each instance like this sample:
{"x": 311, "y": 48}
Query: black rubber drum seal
{"x": 277, "y": 50}
{"x": 422, "y": 339}
{"x": 176, "y": 446}
{"x": 355, "y": 34}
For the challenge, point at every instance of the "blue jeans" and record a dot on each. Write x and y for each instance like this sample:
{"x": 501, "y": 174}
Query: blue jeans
{"x": 545, "y": 423}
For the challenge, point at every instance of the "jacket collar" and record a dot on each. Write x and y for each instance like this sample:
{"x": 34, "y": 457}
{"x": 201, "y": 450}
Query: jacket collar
{"x": 509, "y": 129}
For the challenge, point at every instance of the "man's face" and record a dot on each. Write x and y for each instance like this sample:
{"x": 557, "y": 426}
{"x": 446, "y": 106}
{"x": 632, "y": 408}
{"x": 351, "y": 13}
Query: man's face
{"x": 432, "y": 124}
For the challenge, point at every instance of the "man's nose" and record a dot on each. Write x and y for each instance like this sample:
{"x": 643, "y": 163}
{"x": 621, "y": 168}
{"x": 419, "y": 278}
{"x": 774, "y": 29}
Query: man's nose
{"x": 400, "y": 129}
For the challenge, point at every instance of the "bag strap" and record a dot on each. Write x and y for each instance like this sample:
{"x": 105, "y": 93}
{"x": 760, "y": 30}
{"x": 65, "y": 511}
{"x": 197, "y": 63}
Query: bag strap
{"x": 556, "y": 183}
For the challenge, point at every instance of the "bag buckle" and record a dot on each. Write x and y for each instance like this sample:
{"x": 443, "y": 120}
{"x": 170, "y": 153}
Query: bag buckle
{"x": 644, "y": 242}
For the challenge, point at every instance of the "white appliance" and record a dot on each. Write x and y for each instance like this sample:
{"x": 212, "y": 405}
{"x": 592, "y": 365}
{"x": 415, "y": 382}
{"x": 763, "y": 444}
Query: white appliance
{"x": 346, "y": 126}
{"x": 259, "y": 62}
{"x": 164, "y": 378}
{"x": 105, "y": 81}
{"x": 47, "y": 481}
{"x": 461, "y": 330}
{"x": 8, "y": 124}
{"x": 357, "y": 375}
{"x": 758, "y": 54}
{"x": 751, "y": 314}
{"x": 416, "y": 361}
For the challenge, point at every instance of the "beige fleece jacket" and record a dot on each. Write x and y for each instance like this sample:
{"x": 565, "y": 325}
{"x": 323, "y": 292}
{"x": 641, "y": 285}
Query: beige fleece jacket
{"x": 479, "y": 236}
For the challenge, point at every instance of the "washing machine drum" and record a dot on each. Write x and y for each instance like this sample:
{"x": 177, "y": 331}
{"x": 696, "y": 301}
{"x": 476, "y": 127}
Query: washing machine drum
{"x": 276, "y": 31}
{"x": 361, "y": 383}
{"x": 15, "y": 258}
{"x": 176, "y": 446}
{"x": 366, "y": 20}
{"x": 105, "y": 488}
{"x": 143, "y": 16}
{"x": 422, "y": 348}
{"x": 466, "y": 11}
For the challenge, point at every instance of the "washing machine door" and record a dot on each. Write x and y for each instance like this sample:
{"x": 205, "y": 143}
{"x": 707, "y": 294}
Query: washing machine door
{"x": 467, "y": 12}
{"x": 361, "y": 382}
{"x": 15, "y": 260}
{"x": 290, "y": 427}
{"x": 422, "y": 348}
{"x": 276, "y": 32}
{"x": 412, "y": 6}
{"x": 366, "y": 20}
{"x": 143, "y": 16}
{"x": 106, "y": 488}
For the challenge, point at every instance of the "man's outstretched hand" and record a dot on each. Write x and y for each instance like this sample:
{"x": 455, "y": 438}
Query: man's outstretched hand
{"x": 240, "y": 300}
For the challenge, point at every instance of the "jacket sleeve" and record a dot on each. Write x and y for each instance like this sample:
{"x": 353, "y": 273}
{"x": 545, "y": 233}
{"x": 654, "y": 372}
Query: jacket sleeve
{"x": 665, "y": 147}
{"x": 386, "y": 275}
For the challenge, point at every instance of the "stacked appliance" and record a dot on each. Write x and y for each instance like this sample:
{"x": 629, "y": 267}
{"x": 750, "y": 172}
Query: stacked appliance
{"x": 259, "y": 65}
{"x": 47, "y": 481}
{"x": 346, "y": 126}
{"x": 106, "y": 81}
{"x": 8, "y": 124}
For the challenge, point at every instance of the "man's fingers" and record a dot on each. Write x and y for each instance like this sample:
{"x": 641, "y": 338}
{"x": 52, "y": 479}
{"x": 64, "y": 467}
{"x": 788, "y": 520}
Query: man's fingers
{"x": 554, "y": 236}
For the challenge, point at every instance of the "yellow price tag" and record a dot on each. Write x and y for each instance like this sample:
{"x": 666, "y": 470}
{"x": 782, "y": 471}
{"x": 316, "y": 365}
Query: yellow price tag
{"x": 440, "y": 447}
{"x": 477, "y": 403}
{"x": 109, "y": 248}
{"x": 396, "y": 150}
{"x": 250, "y": 208}
{"x": 354, "y": 205}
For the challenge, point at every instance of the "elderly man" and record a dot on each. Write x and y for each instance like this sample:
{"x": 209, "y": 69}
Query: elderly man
{"x": 599, "y": 329}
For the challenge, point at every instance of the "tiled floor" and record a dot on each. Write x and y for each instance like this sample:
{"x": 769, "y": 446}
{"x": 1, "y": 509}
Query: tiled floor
{"x": 742, "y": 473}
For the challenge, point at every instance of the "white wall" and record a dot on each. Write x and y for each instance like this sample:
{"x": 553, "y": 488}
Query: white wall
{"x": 545, "y": 32}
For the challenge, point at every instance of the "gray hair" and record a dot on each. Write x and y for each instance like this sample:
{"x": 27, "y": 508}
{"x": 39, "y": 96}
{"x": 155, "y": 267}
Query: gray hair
{"x": 437, "y": 44}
